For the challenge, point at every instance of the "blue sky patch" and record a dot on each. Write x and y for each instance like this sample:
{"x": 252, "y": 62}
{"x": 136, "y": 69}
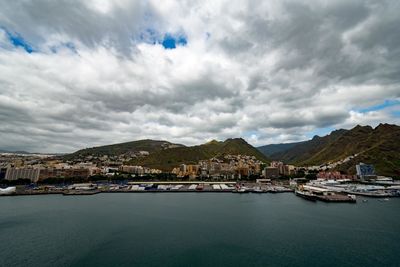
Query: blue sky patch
{"x": 170, "y": 42}
{"x": 18, "y": 41}
{"x": 149, "y": 36}
{"x": 385, "y": 104}
{"x": 68, "y": 45}
{"x": 396, "y": 113}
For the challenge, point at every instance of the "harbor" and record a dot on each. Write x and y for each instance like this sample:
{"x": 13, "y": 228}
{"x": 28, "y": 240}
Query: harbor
{"x": 148, "y": 187}
{"x": 316, "y": 190}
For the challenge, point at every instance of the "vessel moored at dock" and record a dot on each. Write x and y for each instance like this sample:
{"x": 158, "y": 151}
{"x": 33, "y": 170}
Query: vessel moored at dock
{"x": 8, "y": 191}
{"x": 305, "y": 194}
{"x": 80, "y": 192}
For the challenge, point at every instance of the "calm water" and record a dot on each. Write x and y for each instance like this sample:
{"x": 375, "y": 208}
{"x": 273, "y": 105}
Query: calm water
{"x": 196, "y": 230}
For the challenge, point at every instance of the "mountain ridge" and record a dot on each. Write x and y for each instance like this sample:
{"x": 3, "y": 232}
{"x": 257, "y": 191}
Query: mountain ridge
{"x": 168, "y": 159}
{"x": 125, "y": 147}
{"x": 165, "y": 155}
{"x": 379, "y": 146}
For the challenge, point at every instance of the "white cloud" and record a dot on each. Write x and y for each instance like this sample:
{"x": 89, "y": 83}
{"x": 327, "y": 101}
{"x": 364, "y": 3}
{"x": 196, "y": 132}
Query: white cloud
{"x": 267, "y": 71}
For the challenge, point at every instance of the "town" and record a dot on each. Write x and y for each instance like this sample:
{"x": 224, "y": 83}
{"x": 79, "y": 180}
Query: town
{"x": 53, "y": 174}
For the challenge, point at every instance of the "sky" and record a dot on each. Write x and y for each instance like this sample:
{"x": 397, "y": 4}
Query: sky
{"x": 76, "y": 74}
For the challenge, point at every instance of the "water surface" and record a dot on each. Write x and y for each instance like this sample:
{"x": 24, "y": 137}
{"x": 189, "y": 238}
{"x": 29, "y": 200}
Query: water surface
{"x": 196, "y": 229}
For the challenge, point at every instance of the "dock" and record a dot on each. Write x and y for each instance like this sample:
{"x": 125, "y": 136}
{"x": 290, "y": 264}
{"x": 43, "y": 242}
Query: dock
{"x": 337, "y": 198}
{"x": 80, "y": 192}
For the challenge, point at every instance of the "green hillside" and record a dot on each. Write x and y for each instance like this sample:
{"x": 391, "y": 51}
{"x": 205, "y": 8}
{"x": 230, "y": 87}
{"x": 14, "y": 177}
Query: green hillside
{"x": 272, "y": 149}
{"x": 117, "y": 149}
{"x": 379, "y": 146}
{"x": 306, "y": 150}
{"x": 170, "y": 158}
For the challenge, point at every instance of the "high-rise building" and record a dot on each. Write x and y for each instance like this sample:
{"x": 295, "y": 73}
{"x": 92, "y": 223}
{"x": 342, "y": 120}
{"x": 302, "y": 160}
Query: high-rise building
{"x": 22, "y": 173}
{"x": 271, "y": 172}
{"x": 64, "y": 173}
{"x": 365, "y": 171}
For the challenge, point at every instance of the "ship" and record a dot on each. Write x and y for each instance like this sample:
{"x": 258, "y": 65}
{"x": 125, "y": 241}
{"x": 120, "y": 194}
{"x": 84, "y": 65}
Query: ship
{"x": 305, "y": 194}
{"x": 80, "y": 192}
{"x": 8, "y": 191}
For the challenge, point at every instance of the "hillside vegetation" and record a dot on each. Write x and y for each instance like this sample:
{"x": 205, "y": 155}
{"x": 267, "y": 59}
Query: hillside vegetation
{"x": 272, "y": 149}
{"x": 379, "y": 146}
{"x": 117, "y": 149}
{"x": 170, "y": 158}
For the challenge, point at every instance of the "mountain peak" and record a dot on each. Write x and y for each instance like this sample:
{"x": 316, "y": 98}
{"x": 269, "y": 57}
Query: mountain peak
{"x": 386, "y": 126}
{"x": 366, "y": 127}
{"x": 238, "y": 140}
{"x": 379, "y": 146}
{"x": 212, "y": 142}
{"x": 315, "y": 137}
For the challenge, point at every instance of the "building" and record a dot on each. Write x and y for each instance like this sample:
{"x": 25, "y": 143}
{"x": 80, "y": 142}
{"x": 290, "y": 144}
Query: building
{"x": 192, "y": 170}
{"x": 365, "y": 171}
{"x": 13, "y": 174}
{"x": 3, "y": 172}
{"x": 335, "y": 175}
{"x": 271, "y": 172}
{"x": 263, "y": 181}
{"x": 132, "y": 169}
{"x": 283, "y": 169}
{"x": 64, "y": 173}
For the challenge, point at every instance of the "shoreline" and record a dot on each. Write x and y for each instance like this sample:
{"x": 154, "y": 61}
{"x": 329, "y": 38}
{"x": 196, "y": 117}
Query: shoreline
{"x": 81, "y": 193}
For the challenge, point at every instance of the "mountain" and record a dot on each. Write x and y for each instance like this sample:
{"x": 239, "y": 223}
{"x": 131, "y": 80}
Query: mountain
{"x": 173, "y": 157}
{"x": 14, "y": 152}
{"x": 379, "y": 146}
{"x": 269, "y": 150}
{"x": 148, "y": 145}
{"x": 305, "y": 150}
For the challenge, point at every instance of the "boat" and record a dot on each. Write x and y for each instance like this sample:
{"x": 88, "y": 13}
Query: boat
{"x": 352, "y": 197}
{"x": 305, "y": 194}
{"x": 200, "y": 187}
{"x": 258, "y": 190}
{"x": 8, "y": 191}
{"x": 80, "y": 192}
{"x": 241, "y": 189}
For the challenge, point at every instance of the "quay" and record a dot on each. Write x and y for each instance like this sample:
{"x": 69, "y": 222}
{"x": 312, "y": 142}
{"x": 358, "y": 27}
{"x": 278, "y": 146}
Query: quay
{"x": 150, "y": 187}
{"x": 80, "y": 192}
{"x": 337, "y": 198}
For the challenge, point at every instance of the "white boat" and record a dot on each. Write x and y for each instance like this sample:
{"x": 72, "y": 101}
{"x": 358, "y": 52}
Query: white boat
{"x": 258, "y": 190}
{"x": 8, "y": 191}
{"x": 241, "y": 189}
{"x": 352, "y": 197}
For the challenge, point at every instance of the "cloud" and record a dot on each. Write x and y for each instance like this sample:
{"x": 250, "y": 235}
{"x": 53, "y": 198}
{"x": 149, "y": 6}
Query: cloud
{"x": 102, "y": 72}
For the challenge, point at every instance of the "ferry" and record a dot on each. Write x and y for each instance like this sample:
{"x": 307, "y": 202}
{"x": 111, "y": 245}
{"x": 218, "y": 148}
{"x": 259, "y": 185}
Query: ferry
{"x": 80, "y": 192}
{"x": 305, "y": 194}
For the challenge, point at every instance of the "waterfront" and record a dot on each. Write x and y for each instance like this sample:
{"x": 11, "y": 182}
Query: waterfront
{"x": 196, "y": 230}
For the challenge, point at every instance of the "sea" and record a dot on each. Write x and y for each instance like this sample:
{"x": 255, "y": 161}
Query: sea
{"x": 197, "y": 229}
